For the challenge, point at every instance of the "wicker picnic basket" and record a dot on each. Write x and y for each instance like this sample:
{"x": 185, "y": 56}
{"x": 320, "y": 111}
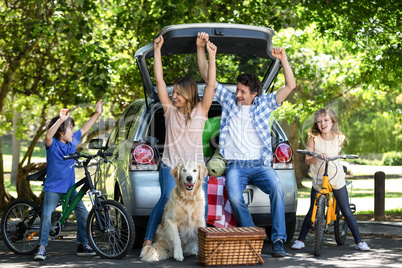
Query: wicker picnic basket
{"x": 230, "y": 246}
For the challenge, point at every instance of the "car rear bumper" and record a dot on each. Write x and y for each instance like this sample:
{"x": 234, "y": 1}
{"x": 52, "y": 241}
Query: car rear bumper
{"x": 146, "y": 192}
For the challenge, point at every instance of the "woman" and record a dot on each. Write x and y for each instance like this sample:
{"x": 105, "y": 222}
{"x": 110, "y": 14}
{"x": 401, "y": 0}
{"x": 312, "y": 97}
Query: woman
{"x": 185, "y": 118}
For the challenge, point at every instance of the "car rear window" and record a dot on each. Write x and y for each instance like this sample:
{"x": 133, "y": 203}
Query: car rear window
{"x": 228, "y": 67}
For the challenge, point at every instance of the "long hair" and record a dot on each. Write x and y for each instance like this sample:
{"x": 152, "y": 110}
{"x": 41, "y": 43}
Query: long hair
{"x": 189, "y": 91}
{"x": 315, "y": 131}
{"x": 62, "y": 128}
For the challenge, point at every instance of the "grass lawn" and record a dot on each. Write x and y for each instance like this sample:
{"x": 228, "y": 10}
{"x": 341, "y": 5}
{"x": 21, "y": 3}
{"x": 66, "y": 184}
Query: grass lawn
{"x": 362, "y": 188}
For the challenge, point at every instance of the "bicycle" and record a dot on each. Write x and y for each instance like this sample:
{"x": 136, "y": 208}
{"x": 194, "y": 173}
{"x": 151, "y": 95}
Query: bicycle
{"x": 323, "y": 199}
{"x": 110, "y": 227}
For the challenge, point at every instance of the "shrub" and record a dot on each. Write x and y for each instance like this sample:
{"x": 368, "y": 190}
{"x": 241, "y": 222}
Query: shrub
{"x": 392, "y": 159}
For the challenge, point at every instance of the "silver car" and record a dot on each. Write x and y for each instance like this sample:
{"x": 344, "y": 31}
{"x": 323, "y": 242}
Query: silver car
{"x": 137, "y": 140}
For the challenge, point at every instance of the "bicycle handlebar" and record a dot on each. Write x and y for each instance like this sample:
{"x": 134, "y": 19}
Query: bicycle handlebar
{"x": 77, "y": 155}
{"x": 342, "y": 156}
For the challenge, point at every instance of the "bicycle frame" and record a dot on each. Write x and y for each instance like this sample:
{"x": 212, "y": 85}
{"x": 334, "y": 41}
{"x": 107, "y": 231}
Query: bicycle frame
{"x": 68, "y": 207}
{"x": 326, "y": 190}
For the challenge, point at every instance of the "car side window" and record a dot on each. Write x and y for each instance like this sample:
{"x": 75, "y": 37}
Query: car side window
{"x": 124, "y": 125}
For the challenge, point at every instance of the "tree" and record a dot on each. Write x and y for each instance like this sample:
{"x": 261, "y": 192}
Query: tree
{"x": 368, "y": 27}
{"x": 71, "y": 53}
{"x": 44, "y": 54}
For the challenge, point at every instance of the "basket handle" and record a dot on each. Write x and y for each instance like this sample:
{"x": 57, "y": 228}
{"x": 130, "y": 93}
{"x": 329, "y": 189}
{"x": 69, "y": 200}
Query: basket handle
{"x": 213, "y": 253}
{"x": 256, "y": 253}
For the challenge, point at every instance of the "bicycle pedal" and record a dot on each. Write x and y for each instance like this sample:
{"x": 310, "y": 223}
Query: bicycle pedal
{"x": 353, "y": 208}
{"x": 60, "y": 237}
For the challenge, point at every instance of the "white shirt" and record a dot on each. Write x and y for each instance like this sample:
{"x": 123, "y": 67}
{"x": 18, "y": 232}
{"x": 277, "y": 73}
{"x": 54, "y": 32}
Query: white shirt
{"x": 243, "y": 141}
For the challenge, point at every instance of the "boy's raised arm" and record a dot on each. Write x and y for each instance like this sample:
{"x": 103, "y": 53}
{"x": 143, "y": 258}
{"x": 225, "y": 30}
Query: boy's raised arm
{"x": 53, "y": 129}
{"x": 98, "y": 107}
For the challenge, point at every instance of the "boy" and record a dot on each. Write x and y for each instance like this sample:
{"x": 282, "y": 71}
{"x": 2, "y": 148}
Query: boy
{"x": 61, "y": 140}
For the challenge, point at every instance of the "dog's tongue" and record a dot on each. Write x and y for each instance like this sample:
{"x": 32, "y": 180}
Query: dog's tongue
{"x": 189, "y": 186}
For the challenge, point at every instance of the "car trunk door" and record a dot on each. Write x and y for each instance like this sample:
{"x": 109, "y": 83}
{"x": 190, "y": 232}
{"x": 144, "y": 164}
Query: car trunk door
{"x": 234, "y": 39}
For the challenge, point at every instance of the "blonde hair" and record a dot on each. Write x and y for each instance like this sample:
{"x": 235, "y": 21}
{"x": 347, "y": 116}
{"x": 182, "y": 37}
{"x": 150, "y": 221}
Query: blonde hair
{"x": 189, "y": 91}
{"x": 315, "y": 131}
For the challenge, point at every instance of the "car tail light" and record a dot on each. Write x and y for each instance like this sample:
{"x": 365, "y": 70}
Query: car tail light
{"x": 283, "y": 156}
{"x": 143, "y": 157}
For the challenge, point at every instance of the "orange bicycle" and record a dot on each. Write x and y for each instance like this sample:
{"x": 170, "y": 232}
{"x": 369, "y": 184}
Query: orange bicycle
{"x": 324, "y": 204}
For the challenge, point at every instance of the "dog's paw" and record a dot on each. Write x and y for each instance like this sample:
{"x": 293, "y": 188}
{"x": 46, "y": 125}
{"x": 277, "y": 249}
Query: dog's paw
{"x": 178, "y": 256}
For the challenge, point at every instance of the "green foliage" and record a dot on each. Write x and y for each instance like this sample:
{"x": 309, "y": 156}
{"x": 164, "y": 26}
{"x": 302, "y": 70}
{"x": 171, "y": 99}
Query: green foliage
{"x": 368, "y": 27}
{"x": 392, "y": 159}
{"x": 71, "y": 53}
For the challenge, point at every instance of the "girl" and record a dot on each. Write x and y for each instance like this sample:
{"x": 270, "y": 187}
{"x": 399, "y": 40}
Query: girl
{"x": 185, "y": 118}
{"x": 326, "y": 139}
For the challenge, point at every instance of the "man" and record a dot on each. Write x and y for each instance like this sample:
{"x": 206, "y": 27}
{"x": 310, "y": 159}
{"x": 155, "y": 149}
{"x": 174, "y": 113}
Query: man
{"x": 245, "y": 141}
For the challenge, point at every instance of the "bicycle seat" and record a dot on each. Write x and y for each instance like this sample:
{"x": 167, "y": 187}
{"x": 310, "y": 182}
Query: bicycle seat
{"x": 37, "y": 176}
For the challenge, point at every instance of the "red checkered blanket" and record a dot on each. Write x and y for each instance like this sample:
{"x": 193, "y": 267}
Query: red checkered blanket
{"x": 220, "y": 213}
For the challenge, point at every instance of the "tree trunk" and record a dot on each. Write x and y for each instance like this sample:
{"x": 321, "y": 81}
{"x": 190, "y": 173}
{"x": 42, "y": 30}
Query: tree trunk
{"x": 23, "y": 186}
{"x": 301, "y": 168}
{"x": 16, "y": 143}
{"x": 5, "y": 197}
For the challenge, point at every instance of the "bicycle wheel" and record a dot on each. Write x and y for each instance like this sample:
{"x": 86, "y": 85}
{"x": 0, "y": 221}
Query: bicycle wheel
{"x": 20, "y": 226}
{"x": 340, "y": 227}
{"x": 320, "y": 223}
{"x": 117, "y": 236}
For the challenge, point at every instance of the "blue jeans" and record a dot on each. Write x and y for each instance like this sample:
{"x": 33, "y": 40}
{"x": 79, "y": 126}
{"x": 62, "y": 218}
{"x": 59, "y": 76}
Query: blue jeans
{"x": 167, "y": 183}
{"x": 49, "y": 205}
{"x": 241, "y": 172}
{"x": 341, "y": 196}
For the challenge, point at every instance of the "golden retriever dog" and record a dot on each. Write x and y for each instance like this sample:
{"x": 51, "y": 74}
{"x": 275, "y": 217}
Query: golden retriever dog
{"x": 176, "y": 235}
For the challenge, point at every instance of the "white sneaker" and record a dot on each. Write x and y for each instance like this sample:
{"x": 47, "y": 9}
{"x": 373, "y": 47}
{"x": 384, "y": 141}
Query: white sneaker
{"x": 362, "y": 246}
{"x": 41, "y": 255}
{"x": 298, "y": 245}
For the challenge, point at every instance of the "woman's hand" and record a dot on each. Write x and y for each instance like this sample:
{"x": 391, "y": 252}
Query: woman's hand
{"x": 202, "y": 39}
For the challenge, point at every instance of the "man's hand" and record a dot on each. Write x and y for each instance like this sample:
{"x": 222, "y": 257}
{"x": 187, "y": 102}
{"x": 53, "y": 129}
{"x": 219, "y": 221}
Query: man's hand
{"x": 158, "y": 42}
{"x": 202, "y": 39}
{"x": 211, "y": 48}
{"x": 278, "y": 53}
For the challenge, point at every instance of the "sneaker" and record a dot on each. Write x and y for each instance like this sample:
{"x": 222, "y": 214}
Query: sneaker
{"x": 85, "y": 250}
{"x": 362, "y": 246}
{"x": 298, "y": 245}
{"x": 41, "y": 255}
{"x": 278, "y": 248}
